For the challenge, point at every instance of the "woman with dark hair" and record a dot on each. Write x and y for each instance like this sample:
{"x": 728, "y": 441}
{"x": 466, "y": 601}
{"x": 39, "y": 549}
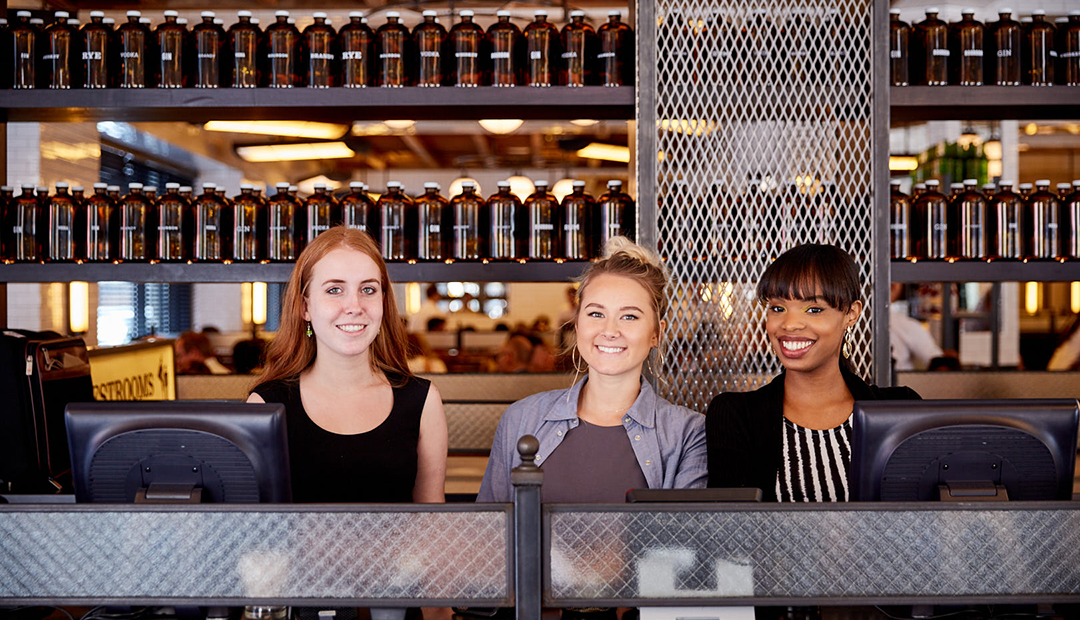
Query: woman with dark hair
{"x": 792, "y": 437}
{"x": 361, "y": 427}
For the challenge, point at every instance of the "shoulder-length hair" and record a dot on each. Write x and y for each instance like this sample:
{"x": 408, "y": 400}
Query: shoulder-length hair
{"x": 809, "y": 270}
{"x": 291, "y": 351}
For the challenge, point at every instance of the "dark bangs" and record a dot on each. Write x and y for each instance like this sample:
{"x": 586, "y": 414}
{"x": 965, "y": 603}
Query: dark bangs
{"x": 804, "y": 269}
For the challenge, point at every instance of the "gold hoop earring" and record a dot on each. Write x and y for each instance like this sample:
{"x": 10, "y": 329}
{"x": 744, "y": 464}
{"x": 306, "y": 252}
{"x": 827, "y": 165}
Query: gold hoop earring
{"x": 308, "y": 332}
{"x": 575, "y": 359}
{"x": 846, "y": 347}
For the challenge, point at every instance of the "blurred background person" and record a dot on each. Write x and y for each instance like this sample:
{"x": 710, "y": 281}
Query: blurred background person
{"x": 428, "y": 310}
{"x": 422, "y": 360}
{"x": 514, "y": 355}
{"x": 913, "y": 347}
{"x": 195, "y": 355}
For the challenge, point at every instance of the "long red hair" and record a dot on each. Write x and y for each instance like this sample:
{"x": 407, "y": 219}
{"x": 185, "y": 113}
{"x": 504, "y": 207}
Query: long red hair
{"x": 291, "y": 351}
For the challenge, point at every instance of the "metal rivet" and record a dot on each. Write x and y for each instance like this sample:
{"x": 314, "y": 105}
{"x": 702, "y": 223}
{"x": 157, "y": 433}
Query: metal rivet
{"x": 648, "y": 462}
{"x": 559, "y": 433}
{"x": 637, "y": 437}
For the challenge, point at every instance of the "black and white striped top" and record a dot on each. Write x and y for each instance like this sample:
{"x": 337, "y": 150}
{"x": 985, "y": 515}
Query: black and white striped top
{"x": 815, "y": 464}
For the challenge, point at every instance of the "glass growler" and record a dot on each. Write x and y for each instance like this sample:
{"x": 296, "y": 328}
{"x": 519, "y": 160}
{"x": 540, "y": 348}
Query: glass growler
{"x": 357, "y": 52}
{"x": 7, "y": 65}
{"x": 62, "y": 58}
{"x": 95, "y": 238}
{"x": 212, "y": 226}
{"x": 59, "y": 226}
{"x": 466, "y": 41}
{"x": 929, "y": 230}
{"x": 321, "y": 44}
{"x": 358, "y": 210}
{"x": 430, "y": 38}
{"x": 577, "y": 223}
{"x": 249, "y": 218}
{"x": 95, "y": 49}
{"x": 931, "y": 63}
{"x": 616, "y": 56}
{"x": 616, "y": 216}
{"x": 509, "y": 225}
{"x": 504, "y": 43}
{"x": 967, "y": 222}
{"x": 1003, "y": 43}
{"x": 470, "y": 224}
{"x": 434, "y": 224}
{"x": 322, "y": 212}
{"x": 899, "y": 222}
{"x": 133, "y": 47}
{"x": 1070, "y": 50}
{"x": 966, "y": 50}
{"x": 579, "y": 45}
{"x": 899, "y": 49}
{"x": 395, "y": 213}
{"x": 1039, "y": 55}
{"x": 1041, "y": 221}
{"x": 244, "y": 39}
{"x": 284, "y": 225}
{"x": 171, "y": 40}
{"x": 282, "y": 53}
{"x": 543, "y": 51}
{"x": 21, "y": 223}
{"x": 544, "y": 224}
{"x": 394, "y": 47}
{"x": 1070, "y": 222}
{"x": 211, "y": 67}
{"x": 175, "y": 226}
{"x": 134, "y": 221}
{"x": 25, "y": 39}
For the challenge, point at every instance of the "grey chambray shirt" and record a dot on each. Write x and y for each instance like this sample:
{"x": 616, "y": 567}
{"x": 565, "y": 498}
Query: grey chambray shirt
{"x": 668, "y": 440}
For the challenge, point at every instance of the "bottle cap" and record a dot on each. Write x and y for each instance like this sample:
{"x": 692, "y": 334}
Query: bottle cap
{"x": 8, "y": 188}
{"x": 113, "y": 188}
{"x": 61, "y": 15}
{"x": 144, "y": 20}
{"x": 988, "y": 187}
{"x": 933, "y": 183}
{"x": 37, "y": 20}
{"x": 318, "y": 15}
{"x": 469, "y": 184}
{"x": 28, "y": 186}
{"x": 209, "y": 185}
{"x": 894, "y": 11}
{"x": 293, "y": 188}
{"x": 77, "y": 188}
{"x": 111, "y": 21}
{"x": 1076, "y": 183}
{"x": 390, "y": 14}
{"x": 172, "y": 186}
{"x": 503, "y": 184}
{"x": 182, "y": 21}
{"x": 967, "y": 11}
{"x": 1059, "y": 186}
{"x": 355, "y": 14}
{"x": 150, "y": 188}
{"x": 396, "y": 184}
{"x": 281, "y": 185}
{"x": 243, "y": 13}
{"x": 101, "y": 185}
{"x": 430, "y": 185}
{"x": 614, "y": 183}
{"x": 956, "y": 186}
{"x": 577, "y": 13}
{"x": 1061, "y": 20}
{"x": 206, "y": 14}
{"x": 244, "y": 186}
{"x": 577, "y": 184}
{"x": 614, "y": 13}
{"x": 319, "y": 186}
{"x": 1005, "y": 11}
{"x": 540, "y": 183}
{"x": 61, "y": 185}
{"x": 134, "y": 185}
{"x": 540, "y": 12}
{"x": 23, "y": 14}
{"x": 356, "y": 185}
{"x": 291, "y": 20}
{"x": 430, "y": 13}
{"x": 281, "y": 13}
{"x": 497, "y": 13}
{"x": 466, "y": 13}
{"x": 255, "y": 20}
{"x": 1074, "y": 13}
{"x": 970, "y": 182}
{"x": 1038, "y": 12}
{"x": 895, "y": 182}
{"x": 97, "y": 13}
{"x": 134, "y": 14}
{"x": 1006, "y": 182}
{"x": 1025, "y": 186}
{"x": 171, "y": 14}
{"x": 1042, "y": 182}
{"x": 932, "y": 9}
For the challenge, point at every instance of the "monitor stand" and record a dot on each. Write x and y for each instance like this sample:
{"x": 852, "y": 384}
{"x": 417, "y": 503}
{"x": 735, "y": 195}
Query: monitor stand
{"x": 972, "y": 491}
{"x": 697, "y": 613}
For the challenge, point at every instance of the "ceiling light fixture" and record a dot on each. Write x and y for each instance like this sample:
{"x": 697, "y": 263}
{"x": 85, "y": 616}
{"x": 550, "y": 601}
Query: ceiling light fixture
{"x": 307, "y": 186}
{"x": 289, "y": 129}
{"x": 399, "y": 125}
{"x": 455, "y": 186}
{"x": 521, "y": 186}
{"x": 501, "y": 126}
{"x": 294, "y": 152}
{"x": 584, "y": 122}
{"x": 904, "y": 163}
{"x": 606, "y": 152}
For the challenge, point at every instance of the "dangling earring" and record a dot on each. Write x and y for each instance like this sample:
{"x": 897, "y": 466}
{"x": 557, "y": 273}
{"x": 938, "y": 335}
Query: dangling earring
{"x": 846, "y": 347}
{"x": 576, "y": 360}
{"x": 308, "y": 332}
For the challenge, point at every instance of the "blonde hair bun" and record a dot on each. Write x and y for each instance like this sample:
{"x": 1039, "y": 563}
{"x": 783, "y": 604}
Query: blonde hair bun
{"x": 645, "y": 256}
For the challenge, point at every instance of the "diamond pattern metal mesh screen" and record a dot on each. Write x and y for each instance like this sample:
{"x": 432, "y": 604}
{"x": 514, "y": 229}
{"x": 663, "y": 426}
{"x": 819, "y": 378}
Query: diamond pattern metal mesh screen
{"x": 807, "y": 554}
{"x": 471, "y": 426}
{"x": 273, "y": 555}
{"x": 764, "y": 142}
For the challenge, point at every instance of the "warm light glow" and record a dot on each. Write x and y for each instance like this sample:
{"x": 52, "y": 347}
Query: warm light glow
{"x": 994, "y": 168}
{"x": 501, "y": 125}
{"x": 691, "y": 126}
{"x": 455, "y": 186}
{"x": 562, "y": 189}
{"x": 1074, "y": 297}
{"x": 584, "y": 122}
{"x": 400, "y": 125}
{"x": 606, "y": 152}
{"x": 294, "y": 152}
{"x": 258, "y": 303}
{"x": 412, "y": 298}
{"x": 992, "y": 149}
{"x": 1031, "y": 129}
{"x": 307, "y": 186}
{"x": 903, "y": 162}
{"x": 78, "y": 307}
{"x": 290, "y": 129}
{"x": 245, "y": 302}
{"x": 727, "y": 290}
{"x": 522, "y": 187}
{"x": 1031, "y": 298}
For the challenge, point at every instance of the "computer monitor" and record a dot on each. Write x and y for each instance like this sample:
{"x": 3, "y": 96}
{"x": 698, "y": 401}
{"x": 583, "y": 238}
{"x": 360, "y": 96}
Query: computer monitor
{"x": 963, "y": 450}
{"x": 178, "y": 452}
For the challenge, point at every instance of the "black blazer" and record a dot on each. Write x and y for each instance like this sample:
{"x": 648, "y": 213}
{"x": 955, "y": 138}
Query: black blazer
{"x": 744, "y": 431}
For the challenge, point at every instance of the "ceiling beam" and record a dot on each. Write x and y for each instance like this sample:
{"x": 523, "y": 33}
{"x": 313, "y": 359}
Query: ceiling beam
{"x": 416, "y": 145}
{"x": 483, "y": 149}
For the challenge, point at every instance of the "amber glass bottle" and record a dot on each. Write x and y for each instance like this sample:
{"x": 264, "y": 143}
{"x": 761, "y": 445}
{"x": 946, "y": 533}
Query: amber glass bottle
{"x": 966, "y": 50}
{"x": 95, "y": 46}
{"x": 899, "y": 222}
{"x": 1041, "y": 221}
{"x": 544, "y": 223}
{"x": 505, "y": 45}
{"x": 396, "y": 211}
{"x": 430, "y": 38}
{"x": 213, "y": 226}
{"x": 21, "y": 224}
{"x": 470, "y": 223}
{"x": 357, "y": 52}
{"x": 543, "y": 52}
{"x": 62, "y": 58}
{"x": 211, "y": 68}
{"x": 466, "y": 41}
{"x": 59, "y": 226}
{"x": 171, "y": 39}
{"x": 509, "y": 225}
{"x": 615, "y": 217}
{"x": 394, "y": 46}
{"x": 1039, "y": 55}
{"x": 931, "y": 63}
{"x": 26, "y": 41}
{"x": 1069, "y": 49}
{"x": 899, "y": 49}
{"x": 132, "y": 49}
{"x": 434, "y": 225}
{"x": 579, "y": 48}
{"x": 283, "y": 53}
{"x": 321, "y": 46}
{"x": 967, "y": 222}
{"x": 135, "y": 223}
{"x": 92, "y": 226}
{"x": 616, "y": 56}
{"x": 247, "y": 215}
{"x": 1070, "y": 222}
{"x": 322, "y": 212}
{"x": 1004, "y": 38}
{"x": 244, "y": 39}
{"x": 929, "y": 230}
{"x": 175, "y": 226}
{"x": 358, "y": 210}
{"x": 578, "y": 209}
{"x": 284, "y": 225}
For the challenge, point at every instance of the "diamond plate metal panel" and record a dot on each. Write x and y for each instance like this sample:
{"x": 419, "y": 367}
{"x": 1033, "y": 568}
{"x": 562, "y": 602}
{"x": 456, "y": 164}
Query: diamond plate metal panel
{"x": 471, "y": 426}
{"x": 784, "y": 554}
{"x": 444, "y": 555}
{"x": 764, "y": 141}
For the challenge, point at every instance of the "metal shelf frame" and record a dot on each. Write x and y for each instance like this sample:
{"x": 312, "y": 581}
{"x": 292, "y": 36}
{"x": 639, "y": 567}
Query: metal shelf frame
{"x": 926, "y": 103}
{"x": 982, "y": 271}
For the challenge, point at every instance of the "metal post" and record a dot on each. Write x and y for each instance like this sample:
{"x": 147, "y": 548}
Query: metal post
{"x": 879, "y": 235}
{"x": 527, "y": 479}
{"x": 645, "y": 16}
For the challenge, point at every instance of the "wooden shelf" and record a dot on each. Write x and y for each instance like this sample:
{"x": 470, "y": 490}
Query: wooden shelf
{"x": 981, "y": 271}
{"x": 532, "y": 271}
{"x": 337, "y": 104}
{"x": 925, "y": 103}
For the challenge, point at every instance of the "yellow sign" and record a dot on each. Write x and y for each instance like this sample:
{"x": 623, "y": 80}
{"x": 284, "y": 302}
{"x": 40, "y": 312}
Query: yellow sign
{"x": 144, "y": 371}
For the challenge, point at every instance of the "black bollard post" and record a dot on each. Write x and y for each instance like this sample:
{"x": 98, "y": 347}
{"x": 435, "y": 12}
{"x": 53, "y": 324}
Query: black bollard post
{"x": 527, "y": 479}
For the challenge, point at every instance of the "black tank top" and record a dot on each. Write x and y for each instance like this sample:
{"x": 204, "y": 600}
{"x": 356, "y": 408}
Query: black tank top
{"x": 376, "y": 466}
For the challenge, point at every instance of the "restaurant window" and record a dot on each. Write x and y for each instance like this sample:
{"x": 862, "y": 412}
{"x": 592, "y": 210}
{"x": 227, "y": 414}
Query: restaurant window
{"x": 128, "y": 311}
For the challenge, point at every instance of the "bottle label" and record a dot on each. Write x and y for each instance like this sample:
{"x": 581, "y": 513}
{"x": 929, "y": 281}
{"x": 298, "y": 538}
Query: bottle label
{"x": 169, "y": 55}
{"x": 606, "y": 55}
{"x": 899, "y": 227}
{"x": 938, "y": 227}
{"x": 279, "y": 228}
{"x": 1014, "y": 225}
{"x": 1071, "y": 55}
{"x": 390, "y": 55}
{"x": 463, "y": 227}
{"x": 240, "y": 55}
{"x": 896, "y": 54}
{"x": 243, "y": 229}
{"x": 534, "y": 55}
{"x": 968, "y": 53}
{"x": 17, "y": 230}
{"x": 128, "y": 228}
{"x": 91, "y": 55}
{"x": 1004, "y": 53}
{"x": 569, "y": 55}
{"x": 1053, "y": 53}
{"x": 129, "y": 54}
{"x": 277, "y": 55}
{"x": 321, "y": 56}
{"x": 95, "y": 227}
{"x": 1052, "y": 225}
{"x": 66, "y": 228}
{"x": 571, "y": 227}
{"x": 544, "y": 227}
{"x": 51, "y": 57}
{"x": 434, "y": 228}
{"x": 466, "y": 55}
{"x": 211, "y": 228}
{"x": 941, "y": 52}
{"x": 352, "y": 55}
{"x": 24, "y": 55}
{"x": 500, "y": 55}
{"x": 320, "y": 229}
{"x": 168, "y": 228}
{"x": 429, "y": 54}
{"x": 362, "y": 227}
{"x": 206, "y": 56}
{"x": 390, "y": 227}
